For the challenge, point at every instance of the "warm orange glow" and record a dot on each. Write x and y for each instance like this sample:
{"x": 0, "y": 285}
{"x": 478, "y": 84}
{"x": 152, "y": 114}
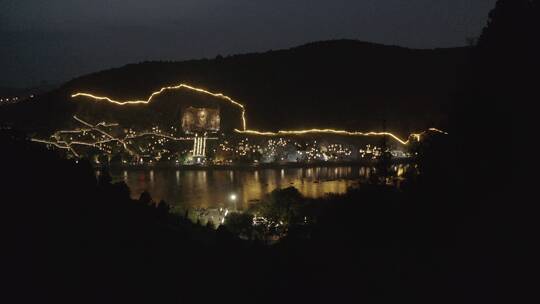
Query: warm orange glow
{"x": 62, "y": 144}
{"x": 131, "y": 152}
{"x": 437, "y": 130}
{"x": 56, "y": 144}
{"x": 330, "y": 131}
{"x": 244, "y": 130}
{"x": 177, "y": 87}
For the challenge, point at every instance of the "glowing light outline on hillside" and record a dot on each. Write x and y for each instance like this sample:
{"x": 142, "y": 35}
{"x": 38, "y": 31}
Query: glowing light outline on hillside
{"x": 177, "y": 87}
{"x": 328, "y": 131}
{"x": 62, "y": 144}
{"x": 438, "y": 131}
{"x": 417, "y": 136}
{"x": 105, "y": 133}
{"x": 56, "y": 144}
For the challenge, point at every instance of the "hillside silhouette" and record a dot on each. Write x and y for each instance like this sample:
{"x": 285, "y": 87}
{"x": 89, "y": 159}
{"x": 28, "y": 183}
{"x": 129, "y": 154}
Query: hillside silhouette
{"x": 439, "y": 239}
{"x": 342, "y": 84}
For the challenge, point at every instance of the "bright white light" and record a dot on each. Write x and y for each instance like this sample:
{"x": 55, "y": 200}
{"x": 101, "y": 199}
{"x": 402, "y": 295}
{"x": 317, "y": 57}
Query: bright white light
{"x": 233, "y": 197}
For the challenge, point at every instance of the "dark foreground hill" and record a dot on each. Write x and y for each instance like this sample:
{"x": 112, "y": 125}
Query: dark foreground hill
{"x": 334, "y": 84}
{"x": 69, "y": 238}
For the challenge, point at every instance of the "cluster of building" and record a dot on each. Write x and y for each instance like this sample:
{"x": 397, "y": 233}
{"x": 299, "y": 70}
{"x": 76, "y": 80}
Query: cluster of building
{"x": 198, "y": 140}
{"x": 109, "y": 143}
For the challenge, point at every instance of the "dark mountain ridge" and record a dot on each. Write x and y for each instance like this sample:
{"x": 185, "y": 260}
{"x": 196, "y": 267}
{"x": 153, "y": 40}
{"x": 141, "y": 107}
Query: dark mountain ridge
{"x": 343, "y": 84}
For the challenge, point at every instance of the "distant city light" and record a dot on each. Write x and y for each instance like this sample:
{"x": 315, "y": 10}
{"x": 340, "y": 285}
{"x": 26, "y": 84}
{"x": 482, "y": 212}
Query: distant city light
{"x": 244, "y": 120}
{"x": 151, "y": 145}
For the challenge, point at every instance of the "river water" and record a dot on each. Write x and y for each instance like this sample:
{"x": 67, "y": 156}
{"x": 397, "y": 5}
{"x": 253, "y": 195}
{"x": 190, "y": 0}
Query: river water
{"x": 236, "y": 189}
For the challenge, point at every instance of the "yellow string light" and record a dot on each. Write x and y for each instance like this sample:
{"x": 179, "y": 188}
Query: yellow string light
{"x": 328, "y": 131}
{"x": 244, "y": 130}
{"x": 177, "y": 87}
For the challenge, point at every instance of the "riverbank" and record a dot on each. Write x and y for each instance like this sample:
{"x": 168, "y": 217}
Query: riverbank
{"x": 254, "y": 166}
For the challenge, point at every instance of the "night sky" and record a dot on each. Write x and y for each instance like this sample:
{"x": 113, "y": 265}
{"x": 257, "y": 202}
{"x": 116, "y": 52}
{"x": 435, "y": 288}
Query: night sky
{"x": 55, "y": 40}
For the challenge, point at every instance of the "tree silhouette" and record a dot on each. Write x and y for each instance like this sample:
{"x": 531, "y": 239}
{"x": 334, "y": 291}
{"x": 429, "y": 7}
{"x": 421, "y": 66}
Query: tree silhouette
{"x": 146, "y": 198}
{"x": 240, "y": 224}
{"x": 210, "y": 225}
{"x": 70, "y": 238}
{"x": 509, "y": 25}
{"x": 104, "y": 178}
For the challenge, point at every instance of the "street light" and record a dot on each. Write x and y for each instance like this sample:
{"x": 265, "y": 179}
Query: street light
{"x": 232, "y": 197}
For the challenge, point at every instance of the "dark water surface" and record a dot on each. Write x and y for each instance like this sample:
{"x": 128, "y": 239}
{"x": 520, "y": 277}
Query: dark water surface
{"x": 236, "y": 188}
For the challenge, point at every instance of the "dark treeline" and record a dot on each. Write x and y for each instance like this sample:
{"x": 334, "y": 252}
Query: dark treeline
{"x": 73, "y": 238}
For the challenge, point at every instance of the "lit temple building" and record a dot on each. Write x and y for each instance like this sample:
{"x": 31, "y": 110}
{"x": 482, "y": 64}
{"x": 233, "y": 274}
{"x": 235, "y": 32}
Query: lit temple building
{"x": 206, "y": 128}
{"x": 200, "y": 122}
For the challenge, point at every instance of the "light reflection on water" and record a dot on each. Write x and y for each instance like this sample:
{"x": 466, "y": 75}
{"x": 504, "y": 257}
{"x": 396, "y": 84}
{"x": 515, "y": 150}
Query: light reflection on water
{"x": 212, "y": 188}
